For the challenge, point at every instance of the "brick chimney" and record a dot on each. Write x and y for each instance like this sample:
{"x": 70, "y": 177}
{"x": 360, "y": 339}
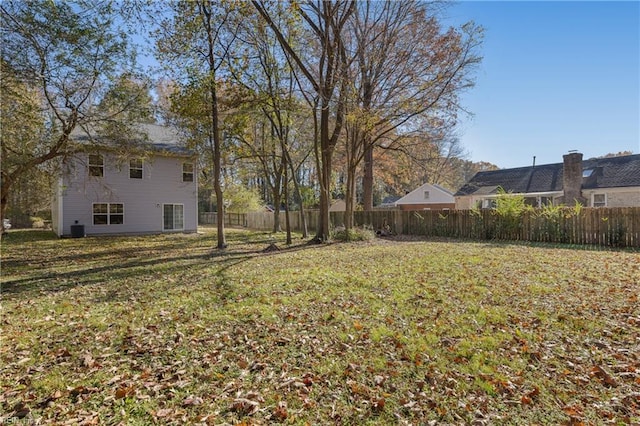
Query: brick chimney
{"x": 572, "y": 178}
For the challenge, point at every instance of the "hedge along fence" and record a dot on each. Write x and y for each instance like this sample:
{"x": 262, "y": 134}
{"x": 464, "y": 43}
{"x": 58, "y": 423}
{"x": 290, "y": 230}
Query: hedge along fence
{"x": 617, "y": 227}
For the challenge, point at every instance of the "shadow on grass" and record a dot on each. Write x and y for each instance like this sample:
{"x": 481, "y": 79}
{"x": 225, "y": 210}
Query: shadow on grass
{"x": 164, "y": 245}
{"x": 136, "y": 263}
{"x": 17, "y": 236}
{"x": 60, "y": 281}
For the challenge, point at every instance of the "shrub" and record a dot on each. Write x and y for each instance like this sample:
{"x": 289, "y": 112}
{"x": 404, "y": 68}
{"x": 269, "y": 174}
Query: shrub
{"x": 364, "y": 233}
{"x": 510, "y": 209}
{"x": 37, "y": 222}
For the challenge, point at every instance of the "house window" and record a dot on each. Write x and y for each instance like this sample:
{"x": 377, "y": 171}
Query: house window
{"x": 426, "y": 195}
{"x": 489, "y": 203}
{"x": 135, "y": 168}
{"x": 173, "y": 217}
{"x": 108, "y": 213}
{"x": 187, "y": 172}
{"x": 96, "y": 165}
{"x": 546, "y": 201}
{"x": 599, "y": 200}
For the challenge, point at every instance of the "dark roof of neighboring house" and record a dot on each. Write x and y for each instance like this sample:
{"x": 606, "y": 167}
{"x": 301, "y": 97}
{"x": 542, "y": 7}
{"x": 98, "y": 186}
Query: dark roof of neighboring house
{"x": 611, "y": 172}
{"x": 389, "y": 200}
{"x": 157, "y": 137}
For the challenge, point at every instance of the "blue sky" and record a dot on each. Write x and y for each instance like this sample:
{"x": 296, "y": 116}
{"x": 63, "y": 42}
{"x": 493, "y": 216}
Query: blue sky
{"x": 556, "y": 76}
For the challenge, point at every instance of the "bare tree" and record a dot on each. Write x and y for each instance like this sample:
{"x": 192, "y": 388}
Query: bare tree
{"x": 406, "y": 71}
{"x": 264, "y": 71}
{"x": 196, "y": 39}
{"x": 325, "y": 70}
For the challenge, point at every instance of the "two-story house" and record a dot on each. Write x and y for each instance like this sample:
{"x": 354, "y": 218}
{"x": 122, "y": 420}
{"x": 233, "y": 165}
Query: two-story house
{"x": 100, "y": 191}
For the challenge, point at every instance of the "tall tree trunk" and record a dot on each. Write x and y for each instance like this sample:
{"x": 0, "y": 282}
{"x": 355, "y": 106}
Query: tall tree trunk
{"x": 351, "y": 146}
{"x": 217, "y": 167}
{"x": 323, "y": 231}
{"x": 276, "y": 209}
{"x": 206, "y": 7}
{"x": 286, "y": 199}
{"x": 367, "y": 181}
{"x": 350, "y": 198}
{"x": 296, "y": 187}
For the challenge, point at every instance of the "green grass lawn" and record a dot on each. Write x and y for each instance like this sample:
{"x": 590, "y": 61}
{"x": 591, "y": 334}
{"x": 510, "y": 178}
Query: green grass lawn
{"x": 165, "y": 329}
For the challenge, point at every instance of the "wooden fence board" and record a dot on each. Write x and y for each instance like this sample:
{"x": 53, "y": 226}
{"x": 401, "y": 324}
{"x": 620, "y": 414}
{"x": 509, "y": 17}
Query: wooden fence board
{"x": 589, "y": 226}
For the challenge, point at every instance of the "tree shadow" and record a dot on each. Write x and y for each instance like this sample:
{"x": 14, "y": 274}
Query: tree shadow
{"x": 17, "y": 236}
{"x": 131, "y": 264}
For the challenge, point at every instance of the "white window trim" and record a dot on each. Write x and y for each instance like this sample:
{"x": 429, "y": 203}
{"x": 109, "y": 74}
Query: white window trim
{"x": 427, "y": 195}
{"x": 593, "y": 199}
{"x": 192, "y": 172}
{"x": 90, "y": 165}
{"x": 183, "y": 217}
{"x": 141, "y": 168}
{"x": 108, "y": 215}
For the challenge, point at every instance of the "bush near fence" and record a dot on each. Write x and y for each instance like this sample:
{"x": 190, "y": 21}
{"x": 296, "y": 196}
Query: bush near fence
{"x": 615, "y": 227}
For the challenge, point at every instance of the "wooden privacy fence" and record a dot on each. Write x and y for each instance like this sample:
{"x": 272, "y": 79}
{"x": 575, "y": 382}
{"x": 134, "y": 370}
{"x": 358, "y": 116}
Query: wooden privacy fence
{"x": 617, "y": 227}
{"x": 230, "y": 219}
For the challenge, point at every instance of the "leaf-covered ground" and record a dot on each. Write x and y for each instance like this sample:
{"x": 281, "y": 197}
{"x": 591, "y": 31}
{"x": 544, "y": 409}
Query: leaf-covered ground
{"x": 166, "y": 330}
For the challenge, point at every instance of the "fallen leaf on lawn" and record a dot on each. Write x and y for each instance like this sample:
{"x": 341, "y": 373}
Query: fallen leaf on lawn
{"x": 308, "y": 380}
{"x": 88, "y": 361}
{"x": 280, "y": 413}
{"x": 80, "y": 390}
{"x": 572, "y": 410}
{"x": 377, "y": 405}
{"x": 603, "y": 376}
{"x": 532, "y": 394}
{"x": 124, "y": 391}
{"x": 163, "y": 412}
{"x": 245, "y": 406}
{"x": 190, "y": 401}
{"x": 63, "y": 353}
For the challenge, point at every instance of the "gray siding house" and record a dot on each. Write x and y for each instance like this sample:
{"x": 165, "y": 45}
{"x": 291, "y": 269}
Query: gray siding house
{"x": 107, "y": 193}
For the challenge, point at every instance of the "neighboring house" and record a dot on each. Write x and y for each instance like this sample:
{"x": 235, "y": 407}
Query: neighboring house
{"x": 427, "y": 197}
{"x": 107, "y": 193}
{"x": 596, "y": 182}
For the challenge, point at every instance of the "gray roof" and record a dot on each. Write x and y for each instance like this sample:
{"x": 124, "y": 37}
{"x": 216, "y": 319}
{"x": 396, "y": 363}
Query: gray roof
{"x": 158, "y": 138}
{"x": 390, "y": 199}
{"x": 612, "y": 172}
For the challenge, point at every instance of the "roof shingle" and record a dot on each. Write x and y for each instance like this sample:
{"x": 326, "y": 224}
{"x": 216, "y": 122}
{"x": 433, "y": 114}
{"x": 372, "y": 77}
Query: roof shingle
{"x": 611, "y": 172}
